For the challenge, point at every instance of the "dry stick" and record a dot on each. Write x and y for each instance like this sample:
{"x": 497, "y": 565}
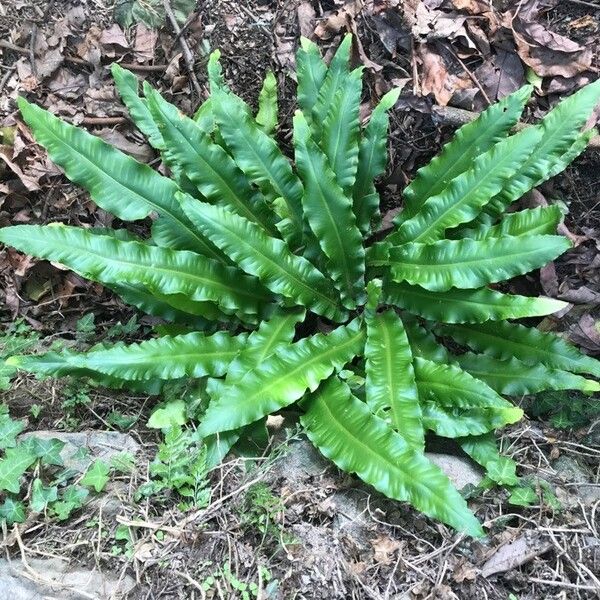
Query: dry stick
{"x": 188, "y": 57}
{"x": 104, "y": 120}
{"x": 32, "y": 50}
{"x": 80, "y": 61}
{"x": 583, "y": 3}
{"x": 470, "y": 74}
{"x": 565, "y": 584}
{"x": 456, "y": 117}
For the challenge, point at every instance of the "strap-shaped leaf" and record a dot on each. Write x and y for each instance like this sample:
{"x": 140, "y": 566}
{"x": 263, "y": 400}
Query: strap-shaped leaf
{"x": 257, "y": 154}
{"x": 268, "y": 111}
{"x": 464, "y": 197}
{"x": 469, "y": 264}
{"x": 335, "y": 80}
{"x": 517, "y": 378}
{"x": 116, "y": 182}
{"x": 168, "y": 357}
{"x": 111, "y": 261}
{"x": 141, "y": 298}
{"x": 270, "y": 336}
{"x": 266, "y": 257}
{"x": 283, "y": 378}
{"x": 390, "y": 380}
{"x": 508, "y": 340}
{"x": 345, "y": 431}
{"x": 470, "y": 141}
{"x": 311, "y": 72}
{"x": 460, "y": 422}
{"x": 215, "y": 73}
{"x": 341, "y": 129}
{"x": 206, "y": 164}
{"x": 484, "y": 450}
{"x": 531, "y": 221}
{"x": 329, "y": 213}
{"x": 423, "y": 342}
{"x": 372, "y": 159}
{"x": 450, "y": 386}
{"x": 217, "y": 447}
{"x": 128, "y": 87}
{"x": 561, "y": 142}
{"x": 467, "y": 306}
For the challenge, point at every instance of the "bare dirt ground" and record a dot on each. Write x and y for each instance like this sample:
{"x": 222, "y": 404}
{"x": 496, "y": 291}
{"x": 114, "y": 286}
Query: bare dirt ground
{"x": 288, "y": 522}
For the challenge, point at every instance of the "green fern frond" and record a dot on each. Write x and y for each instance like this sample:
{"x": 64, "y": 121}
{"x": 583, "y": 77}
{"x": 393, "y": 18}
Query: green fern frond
{"x": 289, "y": 291}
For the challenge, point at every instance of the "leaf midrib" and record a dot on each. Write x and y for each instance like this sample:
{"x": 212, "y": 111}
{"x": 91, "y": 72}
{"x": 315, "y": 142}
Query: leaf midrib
{"x": 232, "y": 195}
{"x": 341, "y": 248}
{"x": 169, "y": 270}
{"x": 470, "y": 262}
{"x": 159, "y": 209}
{"x": 312, "y": 291}
{"x": 474, "y": 189}
{"x": 322, "y": 356}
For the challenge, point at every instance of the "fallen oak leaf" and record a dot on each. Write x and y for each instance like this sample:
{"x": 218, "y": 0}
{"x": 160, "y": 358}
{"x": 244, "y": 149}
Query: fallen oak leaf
{"x": 546, "y": 52}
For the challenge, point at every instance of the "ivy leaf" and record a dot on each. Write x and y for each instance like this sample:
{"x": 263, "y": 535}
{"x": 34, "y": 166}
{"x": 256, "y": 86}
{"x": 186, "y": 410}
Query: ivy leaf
{"x": 42, "y": 496}
{"x": 96, "y": 476}
{"x": 72, "y": 499}
{"x": 48, "y": 450}
{"x": 12, "y": 511}
{"x": 502, "y": 470}
{"x": 523, "y": 495}
{"x": 9, "y": 430}
{"x": 171, "y": 414}
{"x": 123, "y": 462}
{"x": 16, "y": 461}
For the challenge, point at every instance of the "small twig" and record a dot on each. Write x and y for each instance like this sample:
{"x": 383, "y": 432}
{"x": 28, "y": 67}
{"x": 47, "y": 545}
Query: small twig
{"x": 188, "y": 57}
{"x": 6, "y": 77}
{"x": 470, "y": 74}
{"x": 80, "y": 61}
{"x": 104, "y": 120}
{"x": 456, "y": 117}
{"x": 32, "y": 40}
{"x": 565, "y": 584}
{"x": 584, "y": 3}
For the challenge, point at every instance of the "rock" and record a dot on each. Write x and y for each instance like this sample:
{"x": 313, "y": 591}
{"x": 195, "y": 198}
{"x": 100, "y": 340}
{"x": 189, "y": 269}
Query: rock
{"x": 461, "y": 471}
{"x": 300, "y": 461}
{"x": 81, "y": 449}
{"x": 54, "y": 579}
{"x": 570, "y": 470}
{"x": 352, "y": 518}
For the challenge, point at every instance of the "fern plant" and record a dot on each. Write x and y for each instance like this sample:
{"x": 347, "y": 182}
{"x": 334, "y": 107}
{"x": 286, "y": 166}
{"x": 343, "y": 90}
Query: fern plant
{"x": 292, "y": 294}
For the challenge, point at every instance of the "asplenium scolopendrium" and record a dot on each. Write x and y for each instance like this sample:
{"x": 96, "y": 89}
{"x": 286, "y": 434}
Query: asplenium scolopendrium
{"x": 245, "y": 241}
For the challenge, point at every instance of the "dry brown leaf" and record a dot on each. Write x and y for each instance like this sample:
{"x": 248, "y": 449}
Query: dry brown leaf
{"x": 473, "y": 7}
{"x": 586, "y": 333}
{"x": 384, "y": 547}
{"x": 546, "y": 52}
{"x": 306, "y": 18}
{"x": 516, "y": 553}
{"x": 145, "y": 42}
{"x": 113, "y": 40}
{"x": 334, "y": 23}
{"x": 141, "y": 152}
{"x": 393, "y": 31}
{"x": 549, "y": 280}
{"x": 89, "y": 48}
{"x": 464, "y": 571}
{"x": 436, "y": 79}
{"x": 7, "y": 156}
